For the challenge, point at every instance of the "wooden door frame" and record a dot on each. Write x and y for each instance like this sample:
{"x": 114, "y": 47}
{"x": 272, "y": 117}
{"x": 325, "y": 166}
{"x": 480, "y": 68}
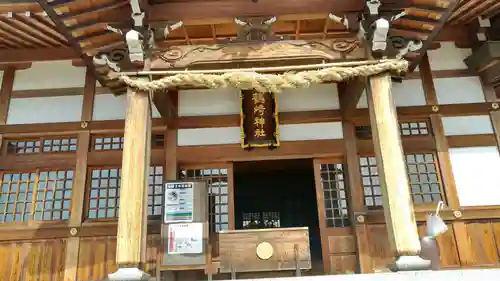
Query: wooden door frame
{"x": 230, "y": 184}
{"x": 325, "y": 231}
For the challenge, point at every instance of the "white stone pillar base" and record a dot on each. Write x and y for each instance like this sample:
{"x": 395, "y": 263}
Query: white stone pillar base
{"x": 128, "y": 274}
{"x": 410, "y": 263}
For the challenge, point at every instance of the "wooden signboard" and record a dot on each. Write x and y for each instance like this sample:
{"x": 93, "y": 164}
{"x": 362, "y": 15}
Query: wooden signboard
{"x": 259, "y": 250}
{"x": 259, "y": 120}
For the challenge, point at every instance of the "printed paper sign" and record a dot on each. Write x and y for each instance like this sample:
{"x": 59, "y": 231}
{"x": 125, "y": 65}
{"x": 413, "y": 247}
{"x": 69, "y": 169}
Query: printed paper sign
{"x": 185, "y": 238}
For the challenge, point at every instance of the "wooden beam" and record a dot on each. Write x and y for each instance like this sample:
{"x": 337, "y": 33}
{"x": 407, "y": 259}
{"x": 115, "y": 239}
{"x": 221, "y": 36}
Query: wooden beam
{"x": 164, "y": 102}
{"x": 8, "y": 56}
{"x": 190, "y": 122}
{"x": 490, "y": 96}
{"x": 132, "y": 220}
{"x": 171, "y": 164}
{"x": 398, "y": 206}
{"x": 181, "y": 10}
{"x": 349, "y": 95}
{"x": 16, "y": 66}
{"x": 234, "y": 153}
{"x": 434, "y": 34}
{"x": 64, "y": 30}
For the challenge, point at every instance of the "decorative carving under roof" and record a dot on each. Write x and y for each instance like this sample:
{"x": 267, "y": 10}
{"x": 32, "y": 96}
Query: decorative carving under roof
{"x": 321, "y": 50}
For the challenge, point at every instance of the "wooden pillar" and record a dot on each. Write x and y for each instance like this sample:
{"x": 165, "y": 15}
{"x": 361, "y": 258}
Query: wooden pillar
{"x": 398, "y": 206}
{"x": 132, "y": 219}
{"x": 78, "y": 198}
{"x": 349, "y": 95}
{"x": 490, "y": 96}
{"x": 356, "y": 197}
{"x": 6, "y": 88}
{"x": 442, "y": 147}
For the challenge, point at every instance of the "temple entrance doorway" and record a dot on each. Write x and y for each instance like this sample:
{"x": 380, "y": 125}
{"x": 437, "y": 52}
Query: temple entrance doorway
{"x": 278, "y": 194}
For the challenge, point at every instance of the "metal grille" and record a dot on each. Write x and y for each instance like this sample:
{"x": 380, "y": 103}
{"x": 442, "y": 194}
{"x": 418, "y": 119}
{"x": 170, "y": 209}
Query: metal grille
{"x": 334, "y": 192}
{"x": 104, "y": 192}
{"x": 423, "y": 178}
{"x": 40, "y": 195}
{"x": 218, "y": 193}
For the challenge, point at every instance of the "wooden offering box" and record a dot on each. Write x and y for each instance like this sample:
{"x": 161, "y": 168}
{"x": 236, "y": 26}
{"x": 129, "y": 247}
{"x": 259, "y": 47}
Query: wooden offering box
{"x": 264, "y": 250}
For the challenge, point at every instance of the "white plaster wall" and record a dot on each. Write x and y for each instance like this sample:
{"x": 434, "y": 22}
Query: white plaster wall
{"x": 208, "y": 136}
{"x": 476, "y": 175}
{"x": 459, "y": 90}
{"x": 227, "y": 101}
{"x": 448, "y": 57}
{"x": 110, "y": 107}
{"x": 467, "y": 125}
{"x": 209, "y": 102}
{"x": 313, "y": 131}
{"x": 49, "y": 75}
{"x": 45, "y": 110}
{"x": 316, "y": 97}
{"x": 232, "y": 135}
{"x": 408, "y": 93}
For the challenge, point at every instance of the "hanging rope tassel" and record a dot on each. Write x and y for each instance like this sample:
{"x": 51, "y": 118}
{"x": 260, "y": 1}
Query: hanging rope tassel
{"x": 266, "y": 83}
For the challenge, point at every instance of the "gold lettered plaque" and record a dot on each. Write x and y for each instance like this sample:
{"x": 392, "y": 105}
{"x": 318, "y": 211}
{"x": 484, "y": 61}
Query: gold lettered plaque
{"x": 259, "y": 120}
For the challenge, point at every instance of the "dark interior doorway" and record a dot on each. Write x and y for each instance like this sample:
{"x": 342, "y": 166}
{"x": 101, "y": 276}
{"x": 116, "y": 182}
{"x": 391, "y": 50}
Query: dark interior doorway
{"x": 278, "y": 193}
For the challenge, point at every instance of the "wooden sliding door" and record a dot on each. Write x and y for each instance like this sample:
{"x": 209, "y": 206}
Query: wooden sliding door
{"x": 337, "y": 239}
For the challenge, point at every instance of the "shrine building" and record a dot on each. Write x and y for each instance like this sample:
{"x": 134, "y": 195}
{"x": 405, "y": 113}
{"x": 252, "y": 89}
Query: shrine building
{"x": 188, "y": 140}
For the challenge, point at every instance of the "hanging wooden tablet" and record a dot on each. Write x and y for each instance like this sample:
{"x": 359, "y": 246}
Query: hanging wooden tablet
{"x": 259, "y": 120}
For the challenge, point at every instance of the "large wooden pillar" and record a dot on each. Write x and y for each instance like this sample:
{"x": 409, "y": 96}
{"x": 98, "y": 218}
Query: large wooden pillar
{"x": 398, "y": 206}
{"x": 132, "y": 219}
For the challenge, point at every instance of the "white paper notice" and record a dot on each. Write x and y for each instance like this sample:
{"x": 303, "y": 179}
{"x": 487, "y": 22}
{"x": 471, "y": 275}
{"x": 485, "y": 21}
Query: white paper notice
{"x": 185, "y": 238}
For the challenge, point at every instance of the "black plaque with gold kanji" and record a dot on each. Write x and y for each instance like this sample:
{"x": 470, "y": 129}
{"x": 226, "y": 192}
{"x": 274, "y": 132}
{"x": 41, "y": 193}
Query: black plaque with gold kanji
{"x": 259, "y": 120}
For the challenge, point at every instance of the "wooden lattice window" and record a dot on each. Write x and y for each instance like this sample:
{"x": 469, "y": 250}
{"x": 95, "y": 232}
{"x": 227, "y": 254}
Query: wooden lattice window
{"x": 371, "y": 181}
{"x": 155, "y": 191}
{"x": 104, "y": 192}
{"x": 422, "y": 176}
{"x": 103, "y": 143}
{"x": 406, "y": 129}
{"x": 42, "y": 145}
{"x": 218, "y": 193}
{"x": 415, "y": 128}
{"x": 363, "y": 132}
{"x": 334, "y": 193}
{"x": 40, "y": 195}
{"x": 424, "y": 179}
